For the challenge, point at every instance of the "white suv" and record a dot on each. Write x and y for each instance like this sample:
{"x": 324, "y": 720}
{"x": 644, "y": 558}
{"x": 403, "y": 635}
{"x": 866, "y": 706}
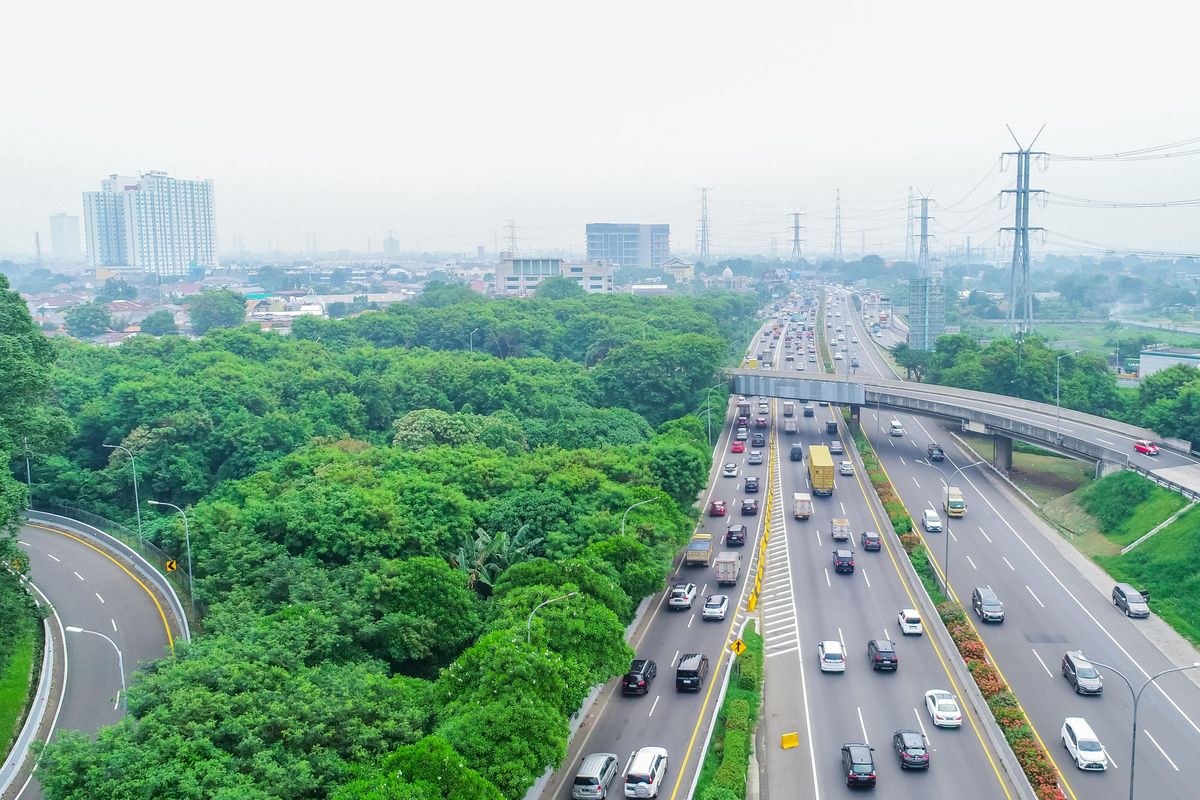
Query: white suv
{"x": 931, "y": 521}
{"x": 646, "y": 772}
{"x": 1083, "y": 745}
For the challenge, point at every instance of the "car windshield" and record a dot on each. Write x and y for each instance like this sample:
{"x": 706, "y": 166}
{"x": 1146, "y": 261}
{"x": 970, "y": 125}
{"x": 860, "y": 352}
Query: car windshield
{"x": 1088, "y": 672}
{"x": 833, "y": 656}
{"x": 1090, "y": 746}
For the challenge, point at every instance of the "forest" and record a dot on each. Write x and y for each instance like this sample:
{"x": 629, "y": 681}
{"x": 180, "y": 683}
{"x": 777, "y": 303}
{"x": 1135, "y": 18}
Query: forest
{"x": 376, "y": 505}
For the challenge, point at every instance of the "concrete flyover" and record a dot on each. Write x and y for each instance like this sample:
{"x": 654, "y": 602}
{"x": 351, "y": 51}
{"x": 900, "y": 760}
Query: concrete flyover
{"x": 1105, "y": 442}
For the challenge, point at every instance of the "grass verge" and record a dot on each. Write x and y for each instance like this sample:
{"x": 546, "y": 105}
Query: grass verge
{"x": 16, "y": 687}
{"x": 723, "y": 773}
{"x": 1041, "y": 475}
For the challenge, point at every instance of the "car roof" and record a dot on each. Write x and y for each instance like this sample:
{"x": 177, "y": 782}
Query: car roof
{"x": 884, "y": 644}
{"x": 832, "y": 645}
{"x": 844, "y": 553}
{"x": 858, "y": 750}
{"x": 717, "y": 598}
{"x": 907, "y": 735}
{"x": 871, "y": 534}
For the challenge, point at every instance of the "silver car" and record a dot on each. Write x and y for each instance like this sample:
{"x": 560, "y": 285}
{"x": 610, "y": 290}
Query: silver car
{"x": 595, "y": 773}
{"x": 755, "y": 457}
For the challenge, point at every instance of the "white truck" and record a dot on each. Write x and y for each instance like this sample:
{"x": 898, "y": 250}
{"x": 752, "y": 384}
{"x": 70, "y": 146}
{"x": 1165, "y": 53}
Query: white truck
{"x": 802, "y": 505}
{"x": 789, "y": 426}
{"x": 789, "y": 408}
{"x": 728, "y": 566}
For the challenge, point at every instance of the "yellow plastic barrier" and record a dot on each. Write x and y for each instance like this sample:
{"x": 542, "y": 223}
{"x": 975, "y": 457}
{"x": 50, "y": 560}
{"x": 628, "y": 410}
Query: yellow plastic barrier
{"x": 789, "y": 740}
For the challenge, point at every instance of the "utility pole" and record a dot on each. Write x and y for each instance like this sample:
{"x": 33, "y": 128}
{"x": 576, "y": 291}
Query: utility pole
{"x": 910, "y": 253}
{"x": 862, "y": 243}
{"x": 1020, "y": 296}
{"x": 923, "y": 258}
{"x": 37, "y": 245}
{"x": 795, "y": 259}
{"x": 511, "y": 227}
{"x": 837, "y": 227}
{"x": 704, "y": 231}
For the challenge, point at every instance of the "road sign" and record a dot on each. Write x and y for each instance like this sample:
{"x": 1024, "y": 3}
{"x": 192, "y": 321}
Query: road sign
{"x": 171, "y": 565}
{"x": 737, "y": 646}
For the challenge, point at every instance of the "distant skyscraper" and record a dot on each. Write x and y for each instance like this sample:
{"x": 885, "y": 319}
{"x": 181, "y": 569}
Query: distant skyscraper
{"x": 64, "y": 236}
{"x": 155, "y": 224}
{"x": 629, "y": 244}
{"x": 391, "y": 245}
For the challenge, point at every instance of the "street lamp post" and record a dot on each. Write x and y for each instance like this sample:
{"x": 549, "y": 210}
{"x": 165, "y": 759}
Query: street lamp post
{"x": 1057, "y": 407}
{"x": 1137, "y": 696}
{"x": 120, "y": 657}
{"x": 188, "y": 541}
{"x": 631, "y": 508}
{"x": 946, "y": 488}
{"x": 708, "y": 413}
{"x": 136, "y": 504}
{"x": 471, "y": 339}
{"x": 529, "y": 622}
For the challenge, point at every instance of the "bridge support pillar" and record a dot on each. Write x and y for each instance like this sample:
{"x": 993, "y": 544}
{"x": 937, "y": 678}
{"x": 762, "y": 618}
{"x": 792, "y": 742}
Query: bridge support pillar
{"x": 1002, "y": 453}
{"x": 855, "y": 423}
{"x": 1105, "y": 468}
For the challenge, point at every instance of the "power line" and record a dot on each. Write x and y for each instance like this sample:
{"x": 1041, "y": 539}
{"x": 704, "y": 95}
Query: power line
{"x": 837, "y": 228}
{"x": 1083, "y": 202}
{"x": 1141, "y": 154}
{"x": 909, "y": 250}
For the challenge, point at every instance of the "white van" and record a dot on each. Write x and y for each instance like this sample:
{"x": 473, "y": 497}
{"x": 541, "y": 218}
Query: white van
{"x": 646, "y": 772}
{"x": 897, "y": 429}
{"x": 1083, "y": 745}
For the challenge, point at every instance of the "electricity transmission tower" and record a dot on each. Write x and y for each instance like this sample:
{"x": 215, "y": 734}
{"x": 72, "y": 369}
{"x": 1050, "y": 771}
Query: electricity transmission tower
{"x": 923, "y": 258}
{"x": 795, "y": 259}
{"x": 511, "y": 227}
{"x": 909, "y": 249}
{"x": 1020, "y": 296}
{"x": 703, "y": 233}
{"x": 837, "y": 228}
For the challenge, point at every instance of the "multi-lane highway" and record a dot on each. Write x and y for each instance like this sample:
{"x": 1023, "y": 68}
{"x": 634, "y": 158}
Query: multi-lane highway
{"x": 1052, "y": 605}
{"x": 103, "y": 607}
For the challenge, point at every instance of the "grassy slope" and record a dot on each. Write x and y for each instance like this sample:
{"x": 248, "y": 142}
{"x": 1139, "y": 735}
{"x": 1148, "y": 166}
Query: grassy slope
{"x": 1042, "y": 476}
{"x": 14, "y": 689}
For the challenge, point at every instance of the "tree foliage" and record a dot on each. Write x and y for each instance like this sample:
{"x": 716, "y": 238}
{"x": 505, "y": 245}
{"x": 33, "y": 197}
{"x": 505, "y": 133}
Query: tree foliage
{"x": 159, "y": 323}
{"x": 217, "y": 309}
{"x": 87, "y": 320}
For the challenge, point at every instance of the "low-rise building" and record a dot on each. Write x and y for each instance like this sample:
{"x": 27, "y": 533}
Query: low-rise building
{"x": 1158, "y": 359}
{"x": 679, "y": 269}
{"x": 519, "y": 277}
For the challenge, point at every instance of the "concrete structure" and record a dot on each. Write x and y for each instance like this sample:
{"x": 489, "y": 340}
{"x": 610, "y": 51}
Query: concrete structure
{"x": 1152, "y": 361}
{"x": 64, "y": 237}
{"x": 391, "y": 245}
{"x": 926, "y": 311}
{"x": 650, "y": 289}
{"x": 629, "y": 244}
{"x": 521, "y": 276}
{"x": 154, "y": 224}
{"x": 679, "y": 269}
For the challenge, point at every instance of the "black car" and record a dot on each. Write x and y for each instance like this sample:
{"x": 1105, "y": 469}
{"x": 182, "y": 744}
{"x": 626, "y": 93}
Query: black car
{"x": 640, "y": 676}
{"x": 758, "y": 440}
{"x": 911, "y": 749}
{"x": 751, "y": 484}
{"x": 808, "y": 410}
{"x": 749, "y": 507}
{"x": 735, "y": 536}
{"x": 882, "y": 654}
{"x": 871, "y": 541}
{"x": 689, "y": 674}
{"x": 843, "y": 561}
{"x": 858, "y": 764}
{"x": 835, "y": 447}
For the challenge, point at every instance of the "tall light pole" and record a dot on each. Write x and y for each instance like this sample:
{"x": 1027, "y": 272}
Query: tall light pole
{"x": 188, "y": 541}
{"x": 708, "y": 413}
{"x": 120, "y": 657}
{"x": 28, "y": 474}
{"x": 1057, "y": 407}
{"x": 136, "y": 504}
{"x": 471, "y": 339}
{"x": 1136, "y": 697}
{"x": 631, "y": 508}
{"x": 529, "y": 622}
{"x": 946, "y": 488}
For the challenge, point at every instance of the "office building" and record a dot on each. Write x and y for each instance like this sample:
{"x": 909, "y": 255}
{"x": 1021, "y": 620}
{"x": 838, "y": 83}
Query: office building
{"x": 1160, "y": 358}
{"x": 926, "y": 311}
{"x": 64, "y": 237}
{"x": 391, "y": 245}
{"x": 521, "y": 276}
{"x": 631, "y": 245}
{"x": 153, "y": 223}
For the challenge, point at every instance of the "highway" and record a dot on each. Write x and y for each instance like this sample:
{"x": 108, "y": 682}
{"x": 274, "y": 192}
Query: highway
{"x": 1051, "y": 606}
{"x": 804, "y": 602}
{"x": 91, "y": 591}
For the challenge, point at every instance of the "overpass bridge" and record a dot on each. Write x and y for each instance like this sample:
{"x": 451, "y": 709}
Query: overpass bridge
{"x": 1105, "y": 442}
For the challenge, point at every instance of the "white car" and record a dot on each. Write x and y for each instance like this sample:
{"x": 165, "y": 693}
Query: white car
{"x": 682, "y": 595}
{"x": 715, "y": 606}
{"x": 931, "y": 521}
{"x": 646, "y": 772}
{"x": 943, "y": 709}
{"x": 910, "y": 622}
{"x": 846, "y": 468}
{"x": 831, "y": 656}
{"x": 1083, "y": 745}
{"x": 837, "y": 356}
{"x": 755, "y": 457}
{"x": 729, "y": 471}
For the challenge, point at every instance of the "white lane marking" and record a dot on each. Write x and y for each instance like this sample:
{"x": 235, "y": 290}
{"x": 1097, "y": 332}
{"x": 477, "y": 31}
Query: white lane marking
{"x": 827, "y": 583}
{"x": 117, "y": 700}
{"x": 691, "y": 619}
{"x": 676, "y": 657}
{"x": 793, "y": 649}
{"x": 654, "y": 706}
{"x": 1150, "y": 736}
{"x": 865, "y": 578}
{"x": 1043, "y": 663}
{"x": 77, "y": 575}
{"x": 56, "y": 558}
{"x": 842, "y": 639}
{"x": 819, "y": 543}
{"x": 1035, "y": 597}
{"x": 27, "y": 544}
{"x": 704, "y": 589}
{"x": 981, "y": 530}
{"x": 1010, "y": 566}
{"x": 114, "y": 623}
{"x": 98, "y": 597}
{"x": 1106, "y": 441}
{"x": 1110, "y": 758}
{"x": 902, "y": 461}
{"x": 921, "y": 722}
{"x": 862, "y": 725}
{"x": 972, "y": 563}
{"x": 843, "y": 505}
{"x": 952, "y": 536}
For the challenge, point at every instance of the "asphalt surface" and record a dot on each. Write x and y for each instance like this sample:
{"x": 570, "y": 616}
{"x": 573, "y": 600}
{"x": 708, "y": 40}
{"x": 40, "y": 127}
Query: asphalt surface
{"x": 804, "y": 602}
{"x": 90, "y": 590}
{"x": 1050, "y": 608}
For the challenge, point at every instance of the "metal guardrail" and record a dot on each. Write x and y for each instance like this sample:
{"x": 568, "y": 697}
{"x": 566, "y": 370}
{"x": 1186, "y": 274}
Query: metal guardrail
{"x": 1190, "y": 494}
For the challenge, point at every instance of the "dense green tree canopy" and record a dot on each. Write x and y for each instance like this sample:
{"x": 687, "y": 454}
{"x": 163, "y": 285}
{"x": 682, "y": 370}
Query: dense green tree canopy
{"x": 216, "y": 309}
{"x": 88, "y": 320}
{"x": 159, "y": 323}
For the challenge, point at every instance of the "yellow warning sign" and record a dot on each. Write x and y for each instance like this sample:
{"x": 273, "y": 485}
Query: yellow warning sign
{"x": 789, "y": 740}
{"x": 737, "y": 646}
{"x": 171, "y": 565}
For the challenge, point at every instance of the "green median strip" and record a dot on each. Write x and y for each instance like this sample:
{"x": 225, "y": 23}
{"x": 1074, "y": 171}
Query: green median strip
{"x": 723, "y": 773}
{"x": 16, "y": 687}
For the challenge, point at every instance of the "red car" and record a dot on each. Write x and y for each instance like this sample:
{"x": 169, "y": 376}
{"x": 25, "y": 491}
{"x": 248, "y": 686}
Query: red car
{"x": 716, "y": 508}
{"x": 1145, "y": 446}
{"x": 760, "y": 422}
{"x": 738, "y": 447}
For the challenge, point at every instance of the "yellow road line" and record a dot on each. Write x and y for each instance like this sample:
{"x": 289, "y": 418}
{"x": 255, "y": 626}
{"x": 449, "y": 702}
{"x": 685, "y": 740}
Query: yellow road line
{"x": 162, "y": 615}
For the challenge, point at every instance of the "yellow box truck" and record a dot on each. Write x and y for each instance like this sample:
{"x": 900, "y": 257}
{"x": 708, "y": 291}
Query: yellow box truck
{"x": 953, "y": 502}
{"x": 820, "y": 470}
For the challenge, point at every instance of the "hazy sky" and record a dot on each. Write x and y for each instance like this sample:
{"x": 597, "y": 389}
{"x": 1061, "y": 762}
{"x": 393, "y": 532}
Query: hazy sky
{"x": 443, "y": 120}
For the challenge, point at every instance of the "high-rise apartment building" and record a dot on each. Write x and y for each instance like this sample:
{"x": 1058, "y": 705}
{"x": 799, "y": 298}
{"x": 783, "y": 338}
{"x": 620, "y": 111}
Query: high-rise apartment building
{"x": 153, "y": 223}
{"x": 64, "y": 236}
{"x": 926, "y": 311}
{"x": 629, "y": 244}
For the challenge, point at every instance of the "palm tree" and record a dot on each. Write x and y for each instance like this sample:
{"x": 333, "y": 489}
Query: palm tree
{"x": 482, "y": 557}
